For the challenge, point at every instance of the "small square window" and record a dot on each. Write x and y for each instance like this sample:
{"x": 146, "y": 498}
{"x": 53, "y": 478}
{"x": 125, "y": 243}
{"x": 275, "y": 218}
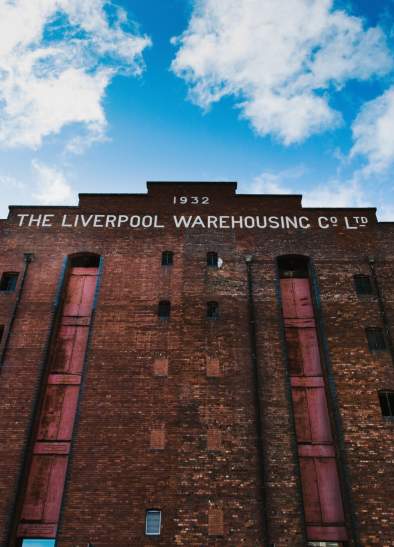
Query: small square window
{"x": 386, "y": 399}
{"x": 164, "y": 309}
{"x": 153, "y": 522}
{"x": 167, "y": 258}
{"x": 212, "y": 310}
{"x": 212, "y": 259}
{"x": 38, "y": 543}
{"x": 363, "y": 284}
{"x": 376, "y": 339}
{"x": 8, "y": 281}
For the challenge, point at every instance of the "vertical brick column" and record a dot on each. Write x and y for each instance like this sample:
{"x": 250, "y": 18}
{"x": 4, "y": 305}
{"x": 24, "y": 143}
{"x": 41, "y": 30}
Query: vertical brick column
{"x": 321, "y": 488}
{"x": 46, "y": 477}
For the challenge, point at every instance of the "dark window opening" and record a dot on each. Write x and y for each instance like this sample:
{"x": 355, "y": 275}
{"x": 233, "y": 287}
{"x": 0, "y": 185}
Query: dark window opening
{"x": 87, "y": 260}
{"x": 153, "y": 522}
{"x": 376, "y": 339}
{"x": 164, "y": 309}
{"x": 212, "y": 310}
{"x": 386, "y": 399}
{"x": 167, "y": 258}
{"x": 8, "y": 281}
{"x": 1, "y": 332}
{"x": 363, "y": 284}
{"x": 212, "y": 259}
{"x": 293, "y": 266}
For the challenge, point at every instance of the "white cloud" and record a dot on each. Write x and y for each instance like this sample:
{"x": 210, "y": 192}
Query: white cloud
{"x": 373, "y": 133}
{"x": 279, "y": 59}
{"x": 334, "y": 193}
{"x": 57, "y": 58}
{"x": 52, "y": 187}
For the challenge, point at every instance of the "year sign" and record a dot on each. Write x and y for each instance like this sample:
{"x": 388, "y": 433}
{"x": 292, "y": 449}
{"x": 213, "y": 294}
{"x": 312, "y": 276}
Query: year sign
{"x": 193, "y": 200}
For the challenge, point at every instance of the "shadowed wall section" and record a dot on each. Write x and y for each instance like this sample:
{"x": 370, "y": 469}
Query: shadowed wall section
{"x": 46, "y": 477}
{"x": 321, "y": 488}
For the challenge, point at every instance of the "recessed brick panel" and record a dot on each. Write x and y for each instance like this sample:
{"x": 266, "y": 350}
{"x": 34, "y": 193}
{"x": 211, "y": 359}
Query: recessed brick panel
{"x": 157, "y": 439}
{"x": 214, "y": 439}
{"x": 160, "y": 366}
{"x": 215, "y": 522}
{"x": 213, "y": 368}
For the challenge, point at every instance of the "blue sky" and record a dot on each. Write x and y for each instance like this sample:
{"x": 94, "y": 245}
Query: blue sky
{"x": 295, "y": 97}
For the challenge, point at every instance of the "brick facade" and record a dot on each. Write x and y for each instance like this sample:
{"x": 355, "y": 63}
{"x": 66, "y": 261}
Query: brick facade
{"x": 167, "y": 416}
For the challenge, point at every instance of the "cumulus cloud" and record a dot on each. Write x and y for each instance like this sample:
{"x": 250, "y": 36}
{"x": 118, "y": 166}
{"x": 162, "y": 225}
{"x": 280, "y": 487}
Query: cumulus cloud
{"x": 279, "y": 60}
{"x": 373, "y": 133}
{"x": 52, "y": 187}
{"x": 57, "y": 58}
{"x": 335, "y": 193}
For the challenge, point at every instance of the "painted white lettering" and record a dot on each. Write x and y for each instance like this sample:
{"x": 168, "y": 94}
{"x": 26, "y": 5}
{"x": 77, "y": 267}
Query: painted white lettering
{"x": 86, "y": 221}
{"x": 212, "y": 222}
{"x": 304, "y": 222}
{"x": 46, "y": 221}
{"x": 110, "y": 220}
{"x": 261, "y": 224}
{"x": 234, "y": 222}
{"x": 198, "y": 221}
{"x": 223, "y": 221}
{"x": 182, "y": 221}
{"x": 147, "y": 221}
{"x": 35, "y": 220}
{"x": 348, "y": 226}
{"x": 22, "y": 218}
{"x": 291, "y": 222}
{"x": 122, "y": 219}
{"x": 156, "y": 223}
{"x": 323, "y": 222}
{"x": 249, "y": 222}
{"x": 273, "y": 222}
{"x": 135, "y": 221}
{"x": 98, "y": 221}
{"x": 64, "y": 222}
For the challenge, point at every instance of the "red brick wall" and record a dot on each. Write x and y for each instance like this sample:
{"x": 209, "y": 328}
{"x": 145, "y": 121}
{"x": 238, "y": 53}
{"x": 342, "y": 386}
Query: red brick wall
{"x": 129, "y": 389}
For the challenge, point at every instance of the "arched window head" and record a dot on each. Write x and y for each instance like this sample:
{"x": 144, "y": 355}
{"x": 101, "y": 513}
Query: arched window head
{"x": 167, "y": 258}
{"x": 212, "y": 259}
{"x": 164, "y": 309}
{"x": 293, "y": 266}
{"x": 85, "y": 260}
{"x": 212, "y": 310}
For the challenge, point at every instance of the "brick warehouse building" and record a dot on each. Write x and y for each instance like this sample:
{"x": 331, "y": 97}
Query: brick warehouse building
{"x": 193, "y": 366}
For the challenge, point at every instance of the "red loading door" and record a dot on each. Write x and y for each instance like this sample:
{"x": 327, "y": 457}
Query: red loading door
{"x": 296, "y": 298}
{"x": 58, "y": 413}
{"x": 45, "y": 488}
{"x": 303, "y": 351}
{"x": 70, "y": 349}
{"x": 80, "y": 292}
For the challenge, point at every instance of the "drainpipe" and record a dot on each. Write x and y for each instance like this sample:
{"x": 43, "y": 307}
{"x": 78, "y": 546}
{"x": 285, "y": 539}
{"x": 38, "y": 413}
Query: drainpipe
{"x": 382, "y": 309}
{"x": 257, "y": 389}
{"x": 28, "y": 258}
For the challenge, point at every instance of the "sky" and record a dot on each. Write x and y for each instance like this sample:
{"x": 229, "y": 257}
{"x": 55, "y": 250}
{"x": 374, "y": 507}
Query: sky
{"x": 295, "y": 96}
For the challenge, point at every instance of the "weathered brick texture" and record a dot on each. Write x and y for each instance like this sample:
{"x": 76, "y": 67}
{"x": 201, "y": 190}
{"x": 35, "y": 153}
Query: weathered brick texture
{"x": 167, "y": 416}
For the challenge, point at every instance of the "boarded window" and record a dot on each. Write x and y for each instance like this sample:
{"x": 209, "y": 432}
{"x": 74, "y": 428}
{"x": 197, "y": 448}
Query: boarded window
{"x": 167, "y": 258}
{"x": 212, "y": 310}
{"x": 157, "y": 439}
{"x": 213, "y": 368}
{"x": 153, "y": 522}
{"x": 386, "y": 399}
{"x": 363, "y": 284}
{"x": 215, "y": 522}
{"x": 214, "y": 439}
{"x": 160, "y": 366}
{"x": 376, "y": 339}
{"x": 212, "y": 259}
{"x": 8, "y": 281}
{"x": 164, "y": 309}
